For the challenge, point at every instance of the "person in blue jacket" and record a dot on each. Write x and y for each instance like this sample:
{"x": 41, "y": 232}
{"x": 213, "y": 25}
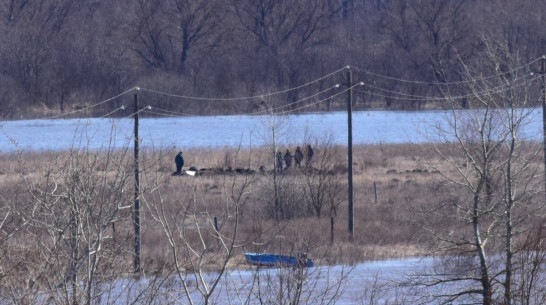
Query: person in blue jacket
{"x": 179, "y": 160}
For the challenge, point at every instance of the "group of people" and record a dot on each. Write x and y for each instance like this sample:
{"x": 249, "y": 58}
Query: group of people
{"x": 285, "y": 162}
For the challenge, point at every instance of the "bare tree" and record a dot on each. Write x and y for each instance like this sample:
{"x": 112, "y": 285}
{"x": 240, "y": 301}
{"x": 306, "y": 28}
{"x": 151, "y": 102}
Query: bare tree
{"x": 31, "y": 31}
{"x": 493, "y": 167}
{"x": 169, "y": 45}
{"x": 70, "y": 247}
{"x": 529, "y": 268}
{"x": 283, "y": 37}
{"x": 201, "y": 237}
{"x": 323, "y": 185}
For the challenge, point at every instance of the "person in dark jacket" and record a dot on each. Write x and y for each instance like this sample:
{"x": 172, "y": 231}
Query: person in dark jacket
{"x": 279, "y": 161}
{"x": 298, "y": 156}
{"x": 310, "y": 154}
{"x": 288, "y": 159}
{"x": 179, "y": 160}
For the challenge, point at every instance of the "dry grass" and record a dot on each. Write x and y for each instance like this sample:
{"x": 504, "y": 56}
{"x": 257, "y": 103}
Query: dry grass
{"x": 384, "y": 229}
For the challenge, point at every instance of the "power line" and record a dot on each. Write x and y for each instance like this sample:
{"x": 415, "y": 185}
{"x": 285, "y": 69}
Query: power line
{"x": 88, "y": 107}
{"x": 139, "y": 111}
{"x": 168, "y": 112}
{"x": 404, "y": 96}
{"x": 398, "y": 95}
{"x": 318, "y": 102}
{"x": 444, "y": 83}
{"x": 164, "y": 112}
{"x": 260, "y": 112}
{"x": 271, "y": 110}
{"x": 244, "y": 97}
{"x": 113, "y": 111}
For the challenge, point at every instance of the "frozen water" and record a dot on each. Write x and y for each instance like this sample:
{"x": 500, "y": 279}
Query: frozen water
{"x": 369, "y": 127}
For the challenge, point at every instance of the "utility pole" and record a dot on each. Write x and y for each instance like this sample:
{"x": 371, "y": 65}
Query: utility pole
{"x": 542, "y": 73}
{"x": 350, "y": 150}
{"x": 137, "y": 188}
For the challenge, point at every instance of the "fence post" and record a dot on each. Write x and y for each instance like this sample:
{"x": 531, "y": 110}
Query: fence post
{"x": 332, "y": 230}
{"x": 375, "y": 191}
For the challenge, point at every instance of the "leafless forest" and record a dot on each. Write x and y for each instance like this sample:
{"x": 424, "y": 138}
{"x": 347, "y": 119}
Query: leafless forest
{"x": 472, "y": 197}
{"x": 59, "y": 55}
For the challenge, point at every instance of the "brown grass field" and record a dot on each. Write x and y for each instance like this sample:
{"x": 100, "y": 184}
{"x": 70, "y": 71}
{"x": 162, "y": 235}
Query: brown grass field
{"x": 405, "y": 175}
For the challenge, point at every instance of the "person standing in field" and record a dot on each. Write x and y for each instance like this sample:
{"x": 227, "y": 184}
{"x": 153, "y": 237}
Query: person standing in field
{"x": 279, "y": 161}
{"x": 288, "y": 159}
{"x": 310, "y": 154}
{"x": 179, "y": 160}
{"x": 298, "y": 156}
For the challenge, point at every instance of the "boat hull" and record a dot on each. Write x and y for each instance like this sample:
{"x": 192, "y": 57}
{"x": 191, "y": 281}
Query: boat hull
{"x": 273, "y": 260}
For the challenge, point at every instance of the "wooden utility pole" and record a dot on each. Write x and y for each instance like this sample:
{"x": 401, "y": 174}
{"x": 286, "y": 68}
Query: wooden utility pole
{"x": 137, "y": 188}
{"x": 350, "y": 150}
{"x": 542, "y": 73}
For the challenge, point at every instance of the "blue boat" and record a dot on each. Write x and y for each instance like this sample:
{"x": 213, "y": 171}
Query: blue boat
{"x": 273, "y": 260}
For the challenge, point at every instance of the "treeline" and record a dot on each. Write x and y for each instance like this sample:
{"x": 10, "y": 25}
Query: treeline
{"x": 61, "y": 55}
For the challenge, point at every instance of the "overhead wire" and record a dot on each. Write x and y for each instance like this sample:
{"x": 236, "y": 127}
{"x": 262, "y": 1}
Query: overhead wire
{"x": 445, "y": 83}
{"x": 193, "y": 97}
{"x": 169, "y": 113}
{"x": 404, "y": 96}
{"x": 88, "y": 107}
{"x": 318, "y": 102}
{"x": 164, "y": 114}
{"x": 139, "y": 111}
{"x": 243, "y": 97}
{"x": 398, "y": 94}
{"x": 413, "y": 97}
{"x": 271, "y": 110}
{"x": 113, "y": 111}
